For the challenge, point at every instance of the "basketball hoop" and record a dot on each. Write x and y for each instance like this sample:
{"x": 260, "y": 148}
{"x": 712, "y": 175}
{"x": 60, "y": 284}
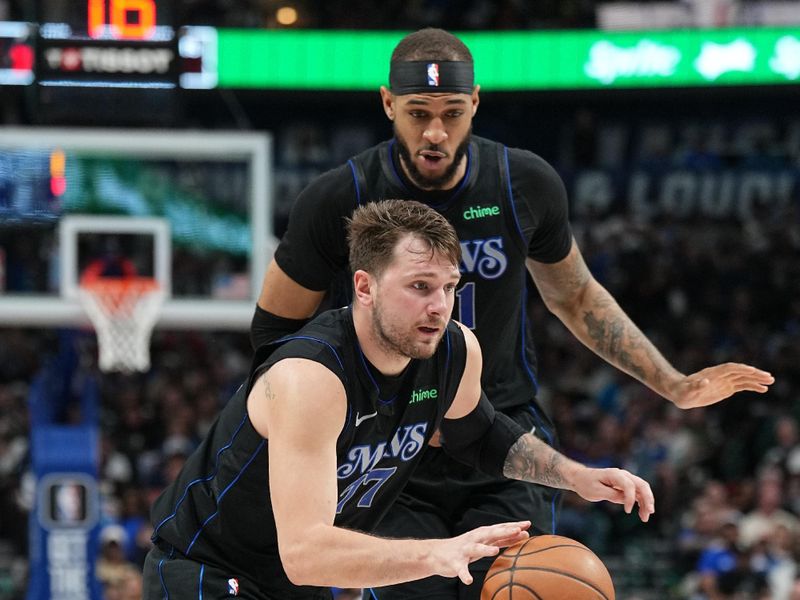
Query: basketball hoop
{"x": 123, "y": 311}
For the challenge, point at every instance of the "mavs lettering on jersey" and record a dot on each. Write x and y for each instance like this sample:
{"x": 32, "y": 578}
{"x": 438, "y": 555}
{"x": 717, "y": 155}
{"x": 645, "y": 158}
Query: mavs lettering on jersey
{"x": 405, "y": 445}
{"x": 486, "y": 257}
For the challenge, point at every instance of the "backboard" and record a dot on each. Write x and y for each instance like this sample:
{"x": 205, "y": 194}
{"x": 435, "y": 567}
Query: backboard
{"x": 213, "y": 190}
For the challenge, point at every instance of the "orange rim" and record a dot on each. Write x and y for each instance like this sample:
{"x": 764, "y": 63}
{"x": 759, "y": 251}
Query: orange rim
{"x": 113, "y": 291}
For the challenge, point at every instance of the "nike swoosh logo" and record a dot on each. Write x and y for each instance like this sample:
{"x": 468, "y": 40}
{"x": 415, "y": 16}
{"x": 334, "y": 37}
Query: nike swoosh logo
{"x": 363, "y": 418}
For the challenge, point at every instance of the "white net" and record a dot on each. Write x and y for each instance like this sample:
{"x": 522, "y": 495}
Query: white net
{"x": 123, "y": 312}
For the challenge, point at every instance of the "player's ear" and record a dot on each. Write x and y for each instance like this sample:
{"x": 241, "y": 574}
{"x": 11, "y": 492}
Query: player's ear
{"x": 362, "y": 288}
{"x": 387, "y": 100}
{"x": 475, "y": 99}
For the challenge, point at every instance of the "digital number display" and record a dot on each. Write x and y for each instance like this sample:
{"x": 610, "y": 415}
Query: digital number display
{"x": 126, "y": 19}
{"x": 123, "y": 20}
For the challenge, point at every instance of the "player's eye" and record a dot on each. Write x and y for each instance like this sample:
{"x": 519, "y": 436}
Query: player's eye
{"x": 419, "y": 285}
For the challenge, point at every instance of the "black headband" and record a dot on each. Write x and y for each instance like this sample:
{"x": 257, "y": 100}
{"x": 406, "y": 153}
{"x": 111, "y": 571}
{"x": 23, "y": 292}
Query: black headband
{"x": 429, "y": 76}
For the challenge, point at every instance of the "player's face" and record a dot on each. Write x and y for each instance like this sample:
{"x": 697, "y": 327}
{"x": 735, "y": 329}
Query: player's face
{"x": 414, "y": 300}
{"x": 432, "y": 133}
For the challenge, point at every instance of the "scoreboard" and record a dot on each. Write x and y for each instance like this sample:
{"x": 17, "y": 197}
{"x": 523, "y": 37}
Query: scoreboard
{"x": 104, "y": 62}
{"x": 97, "y": 43}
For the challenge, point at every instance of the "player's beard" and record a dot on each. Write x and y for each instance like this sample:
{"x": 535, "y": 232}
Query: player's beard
{"x": 394, "y": 341}
{"x": 416, "y": 176}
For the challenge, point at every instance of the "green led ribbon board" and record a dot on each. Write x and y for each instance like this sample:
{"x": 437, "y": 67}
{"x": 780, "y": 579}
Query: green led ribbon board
{"x": 517, "y": 60}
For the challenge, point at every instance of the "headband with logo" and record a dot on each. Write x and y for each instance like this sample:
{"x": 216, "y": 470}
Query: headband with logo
{"x": 428, "y": 76}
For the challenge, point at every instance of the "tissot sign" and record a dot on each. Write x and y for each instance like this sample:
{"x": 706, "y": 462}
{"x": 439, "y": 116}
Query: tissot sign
{"x": 105, "y": 59}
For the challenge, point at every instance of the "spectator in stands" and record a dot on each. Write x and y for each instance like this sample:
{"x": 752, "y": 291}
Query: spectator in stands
{"x": 112, "y": 567}
{"x": 758, "y": 524}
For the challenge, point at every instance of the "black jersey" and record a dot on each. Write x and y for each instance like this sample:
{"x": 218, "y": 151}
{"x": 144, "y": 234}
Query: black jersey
{"x": 510, "y": 205}
{"x": 218, "y": 511}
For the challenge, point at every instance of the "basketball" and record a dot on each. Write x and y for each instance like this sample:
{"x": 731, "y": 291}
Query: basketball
{"x": 548, "y": 567}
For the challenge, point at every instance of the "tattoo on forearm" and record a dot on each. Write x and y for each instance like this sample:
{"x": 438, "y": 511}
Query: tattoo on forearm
{"x": 530, "y": 459}
{"x": 612, "y": 340}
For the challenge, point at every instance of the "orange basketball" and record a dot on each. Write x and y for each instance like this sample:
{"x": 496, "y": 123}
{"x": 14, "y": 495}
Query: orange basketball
{"x": 548, "y": 567}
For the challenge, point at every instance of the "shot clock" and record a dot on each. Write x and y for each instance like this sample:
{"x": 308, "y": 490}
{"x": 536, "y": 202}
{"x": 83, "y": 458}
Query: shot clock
{"x": 122, "y": 19}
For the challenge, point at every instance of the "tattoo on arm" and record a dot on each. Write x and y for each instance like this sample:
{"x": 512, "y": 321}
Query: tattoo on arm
{"x": 268, "y": 393}
{"x": 609, "y": 339}
{"x": 570, "y": 291}
{"x": 530, "y": 459}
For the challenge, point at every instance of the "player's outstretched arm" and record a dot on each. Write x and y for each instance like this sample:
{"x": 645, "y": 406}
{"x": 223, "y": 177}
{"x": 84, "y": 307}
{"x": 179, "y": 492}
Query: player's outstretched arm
{"x": 530, "y": 459}
{"x": 300, "y": 407}
{"x": 587, "y": 309}
{"x": 474, "y": 433}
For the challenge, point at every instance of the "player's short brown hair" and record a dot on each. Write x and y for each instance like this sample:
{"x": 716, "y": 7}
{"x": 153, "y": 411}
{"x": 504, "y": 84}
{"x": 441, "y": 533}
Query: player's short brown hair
{"x": 375, "y": 228}
{"x": 431, "y": 44}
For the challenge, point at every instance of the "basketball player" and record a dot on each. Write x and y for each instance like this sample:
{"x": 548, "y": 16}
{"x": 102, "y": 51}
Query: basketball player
{"x": 509, "y": 208}
{"x": 317, "y": 445}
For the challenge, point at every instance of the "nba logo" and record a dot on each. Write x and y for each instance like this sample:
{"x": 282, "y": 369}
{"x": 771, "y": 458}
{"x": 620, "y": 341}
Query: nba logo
{"x": 233, "y": 586}
{"x": 433, "y": 74}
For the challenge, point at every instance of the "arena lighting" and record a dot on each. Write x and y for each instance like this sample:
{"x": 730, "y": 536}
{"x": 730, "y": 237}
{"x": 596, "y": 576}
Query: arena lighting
{"x": 519, "y": 60}
{"x": 286, "y": 15}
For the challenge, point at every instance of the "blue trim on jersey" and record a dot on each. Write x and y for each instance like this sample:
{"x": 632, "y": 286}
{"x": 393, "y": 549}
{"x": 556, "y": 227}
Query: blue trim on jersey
{"x": 161, "y": 573}
{"x": 511, "y": 195}
{"x": 336, "y": 356}
{"x": 161, "y": 577}
{"x": 523, "y": 329}
{"x": 202, "y": 479}
{"x": 222, "y": 495}
{"x": 372, "y": 593}
{"x": 355, "y": 181}
{"x": 447, "y": 360}
{"x": 313, "y": 339}
{"x": 372, "y": 379}
{"x": 200, "y": 583}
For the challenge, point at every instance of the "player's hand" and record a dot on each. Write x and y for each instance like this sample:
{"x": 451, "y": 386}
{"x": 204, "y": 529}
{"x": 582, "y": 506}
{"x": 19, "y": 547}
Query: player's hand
{"x": 617, "y": 486}
{"x": 454, "y": 555}
{"x": 714, "y": 384}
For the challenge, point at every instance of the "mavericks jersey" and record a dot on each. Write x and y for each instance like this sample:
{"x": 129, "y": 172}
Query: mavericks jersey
{"x": 218, "y": 511}
{"x": 509, "y": 206}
